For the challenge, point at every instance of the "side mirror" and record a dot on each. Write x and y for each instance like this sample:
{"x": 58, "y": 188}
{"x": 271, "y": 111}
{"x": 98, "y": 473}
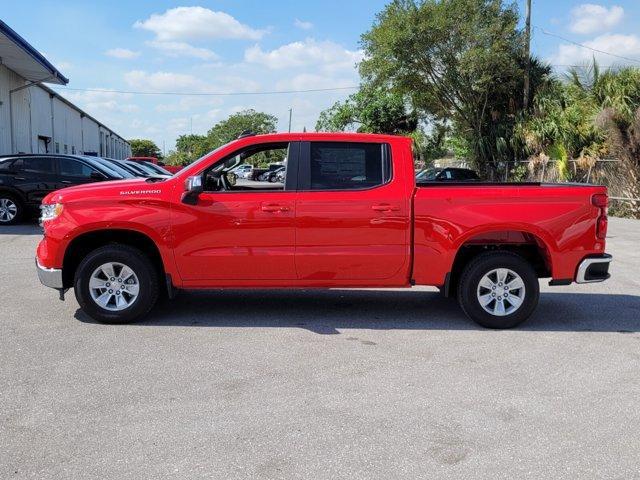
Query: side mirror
{"x": 193, "y": 187}
{"x": 97, "y": 176}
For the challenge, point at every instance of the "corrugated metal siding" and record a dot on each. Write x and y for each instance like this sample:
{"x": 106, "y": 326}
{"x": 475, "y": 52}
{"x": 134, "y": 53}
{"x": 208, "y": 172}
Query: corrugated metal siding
{"x": 91, "y": 136}
{"x": 8, "y": 81}
{"x": 67, "y": 128}
{"x": 37, "y": 114}
{"x": 41, "y": 117}
{"x": 22, "y": 121}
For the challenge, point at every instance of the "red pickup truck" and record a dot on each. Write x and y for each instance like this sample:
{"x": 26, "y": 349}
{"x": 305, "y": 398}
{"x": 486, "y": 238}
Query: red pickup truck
{"x": 347, "y": 214}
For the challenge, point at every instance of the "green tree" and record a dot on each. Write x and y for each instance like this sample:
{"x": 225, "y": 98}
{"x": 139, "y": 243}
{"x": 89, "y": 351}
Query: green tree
{"x": 458, "y": 61}
{"x": 194, "y": 146}
{"x": 191, "y": 147}
{"x": 370, "y": 110}
{"x": 246, "y": 120}
{"x": 144, "y": 148}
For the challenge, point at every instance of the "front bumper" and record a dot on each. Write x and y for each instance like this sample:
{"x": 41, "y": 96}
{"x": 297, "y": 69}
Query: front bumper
{"x": 49, "y": 277}
{"x": 594, "y": 269}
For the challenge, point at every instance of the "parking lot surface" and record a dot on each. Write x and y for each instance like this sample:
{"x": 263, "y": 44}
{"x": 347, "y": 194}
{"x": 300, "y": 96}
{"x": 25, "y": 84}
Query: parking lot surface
{"x": 320, "y": 384}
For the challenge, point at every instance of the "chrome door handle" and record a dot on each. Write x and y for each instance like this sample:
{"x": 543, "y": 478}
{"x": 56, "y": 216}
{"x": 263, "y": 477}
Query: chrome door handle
{"x": 274, "y": 208}
{"x": 385, "y": 208}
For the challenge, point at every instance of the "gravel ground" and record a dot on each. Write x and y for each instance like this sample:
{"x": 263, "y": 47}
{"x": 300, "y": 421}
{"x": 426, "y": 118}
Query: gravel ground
{"x": 311, "y": 384}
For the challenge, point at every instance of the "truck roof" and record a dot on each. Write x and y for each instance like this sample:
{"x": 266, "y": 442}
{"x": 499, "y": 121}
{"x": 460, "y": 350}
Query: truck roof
{"x": 328, "y": 136}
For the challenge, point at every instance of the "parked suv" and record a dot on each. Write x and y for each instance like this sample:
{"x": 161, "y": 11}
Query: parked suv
{"x": 26, "y": 179}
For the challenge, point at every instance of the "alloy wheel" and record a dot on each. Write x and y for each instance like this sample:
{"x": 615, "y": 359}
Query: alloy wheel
{"x": 114, "y": 286}
{"x": 501, "y": 292}
{"x": 8, "y": 210}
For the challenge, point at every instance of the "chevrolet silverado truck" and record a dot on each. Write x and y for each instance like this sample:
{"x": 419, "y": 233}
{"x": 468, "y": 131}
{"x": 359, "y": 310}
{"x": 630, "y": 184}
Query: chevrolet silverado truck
{"x": 348, "y": 214}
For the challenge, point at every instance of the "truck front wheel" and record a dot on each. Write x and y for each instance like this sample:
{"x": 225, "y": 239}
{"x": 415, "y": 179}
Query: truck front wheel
{"x": 498, "y": 290}
{"x": 116, "y": 284}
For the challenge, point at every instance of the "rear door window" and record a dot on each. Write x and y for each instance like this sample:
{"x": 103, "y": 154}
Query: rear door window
{"x": 35, "y": 165}
{"x": 74, "y": 168}
{"x": 5, "y": 165}
{"x": 348, "y": 166}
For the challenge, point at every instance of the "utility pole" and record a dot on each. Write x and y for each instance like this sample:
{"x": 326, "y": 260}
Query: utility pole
{"x": 290, "y": 112}
{"x": 527, "y": 55}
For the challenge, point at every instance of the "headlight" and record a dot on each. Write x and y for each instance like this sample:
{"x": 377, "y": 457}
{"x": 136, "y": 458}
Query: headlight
{"x": 49, "y": 212}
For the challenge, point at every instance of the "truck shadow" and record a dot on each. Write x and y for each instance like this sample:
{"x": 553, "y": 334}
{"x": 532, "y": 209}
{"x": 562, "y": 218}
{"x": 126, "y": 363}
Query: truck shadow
{"x": 327, "y": 312}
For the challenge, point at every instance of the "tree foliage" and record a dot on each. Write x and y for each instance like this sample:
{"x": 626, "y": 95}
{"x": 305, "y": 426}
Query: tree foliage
{"x": 370, "y": 110}
{"x": 458, "y": 61}
{"x": 246, "y": 120}
{"x": 192, "y": 147}
{"x": 144, "y": 148}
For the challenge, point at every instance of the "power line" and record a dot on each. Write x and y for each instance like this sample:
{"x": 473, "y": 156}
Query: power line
{"x": 546, "y": 32}
{"x": 209, "y": 94}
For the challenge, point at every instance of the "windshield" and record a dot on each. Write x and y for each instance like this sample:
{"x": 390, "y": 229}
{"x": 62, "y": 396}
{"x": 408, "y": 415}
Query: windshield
{"x": 198, "y": 161}
{"x": 157, "y": 169}
{"x": 113, "y": 171}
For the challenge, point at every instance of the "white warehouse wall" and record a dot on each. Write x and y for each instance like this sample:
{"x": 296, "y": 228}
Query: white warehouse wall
{"x": 35, "y": 118}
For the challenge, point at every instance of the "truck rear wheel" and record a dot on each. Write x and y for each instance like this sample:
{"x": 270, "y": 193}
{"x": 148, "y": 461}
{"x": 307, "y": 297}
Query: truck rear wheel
{"x": 116, "y": 284}
{"x": 498, "y": 290}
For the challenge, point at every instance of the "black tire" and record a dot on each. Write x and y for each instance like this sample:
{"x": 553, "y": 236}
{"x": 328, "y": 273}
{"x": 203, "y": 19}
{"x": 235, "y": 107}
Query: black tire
{"x": 19, "y": 206}
{"x": 138, "y": 262}
{"x": 473, "y": 273}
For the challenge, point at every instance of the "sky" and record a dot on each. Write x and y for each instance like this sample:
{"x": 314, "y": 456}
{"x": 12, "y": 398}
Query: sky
{"x": 251, "y": 46}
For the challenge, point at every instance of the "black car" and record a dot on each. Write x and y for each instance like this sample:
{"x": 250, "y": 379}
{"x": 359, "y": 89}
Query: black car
{"x": 27, "y": 178}
{"x": 448, "y": 174}
{"x": 137, "y": 169}
{"x": 156, "y": 168}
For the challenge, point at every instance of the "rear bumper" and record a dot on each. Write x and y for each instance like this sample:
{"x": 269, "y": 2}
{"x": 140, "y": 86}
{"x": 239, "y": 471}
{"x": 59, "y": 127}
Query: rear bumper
{"x": 594, "y": 269}
{"x": 49, "y": 277}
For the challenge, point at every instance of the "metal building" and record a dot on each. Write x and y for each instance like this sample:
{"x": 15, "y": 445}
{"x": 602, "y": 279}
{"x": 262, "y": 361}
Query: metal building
{"x": 36, "y": 119}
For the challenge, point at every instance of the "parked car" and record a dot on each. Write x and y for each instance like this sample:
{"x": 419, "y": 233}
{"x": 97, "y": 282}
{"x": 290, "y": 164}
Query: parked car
{"x": 244, "y": 171}
{"x": 171, "y": 169}
{"x": 153, "y": 160}
{"x": 280, "y": 176}
{"x": 269, "y": 175}
{"x": 352, "y": 216}
{"x": 121, "y": 165}
{"x": 26, "y": 179}
{"x": 448, "y": 174}
{"x": 141, "y": 169}
{"x": 157, "y": 168}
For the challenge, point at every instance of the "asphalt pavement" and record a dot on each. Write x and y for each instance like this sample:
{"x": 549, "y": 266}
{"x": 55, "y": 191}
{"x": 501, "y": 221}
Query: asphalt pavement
{"x": 349, "y": 384}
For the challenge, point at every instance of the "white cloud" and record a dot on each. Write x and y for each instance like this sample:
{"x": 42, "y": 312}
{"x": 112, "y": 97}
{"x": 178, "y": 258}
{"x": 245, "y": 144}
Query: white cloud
{"x": 183, "y": 49}
{"x": 186, "y": 104}
{"x": 328, "y": 54}
{"x": 164, "y": 81}
{"x": 196, "y": 23}
{"x": 302, "y": 25}
{"x": 123, "y": 53}
{"x": 623, "y": 45}
{"x": 310, "y": 81}
{"x": 99, "y": 100}
{"x": 185, "y": 83}
{"x": 591, "y": 18}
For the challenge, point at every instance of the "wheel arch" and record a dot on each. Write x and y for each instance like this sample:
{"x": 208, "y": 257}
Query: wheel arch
{"x": 81, "y": 245}
{"x": 532, "y": 246}
{"x": 15, "y": 192}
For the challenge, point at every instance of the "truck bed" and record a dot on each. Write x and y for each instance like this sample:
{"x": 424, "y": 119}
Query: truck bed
{"x": 559, "y": 218}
